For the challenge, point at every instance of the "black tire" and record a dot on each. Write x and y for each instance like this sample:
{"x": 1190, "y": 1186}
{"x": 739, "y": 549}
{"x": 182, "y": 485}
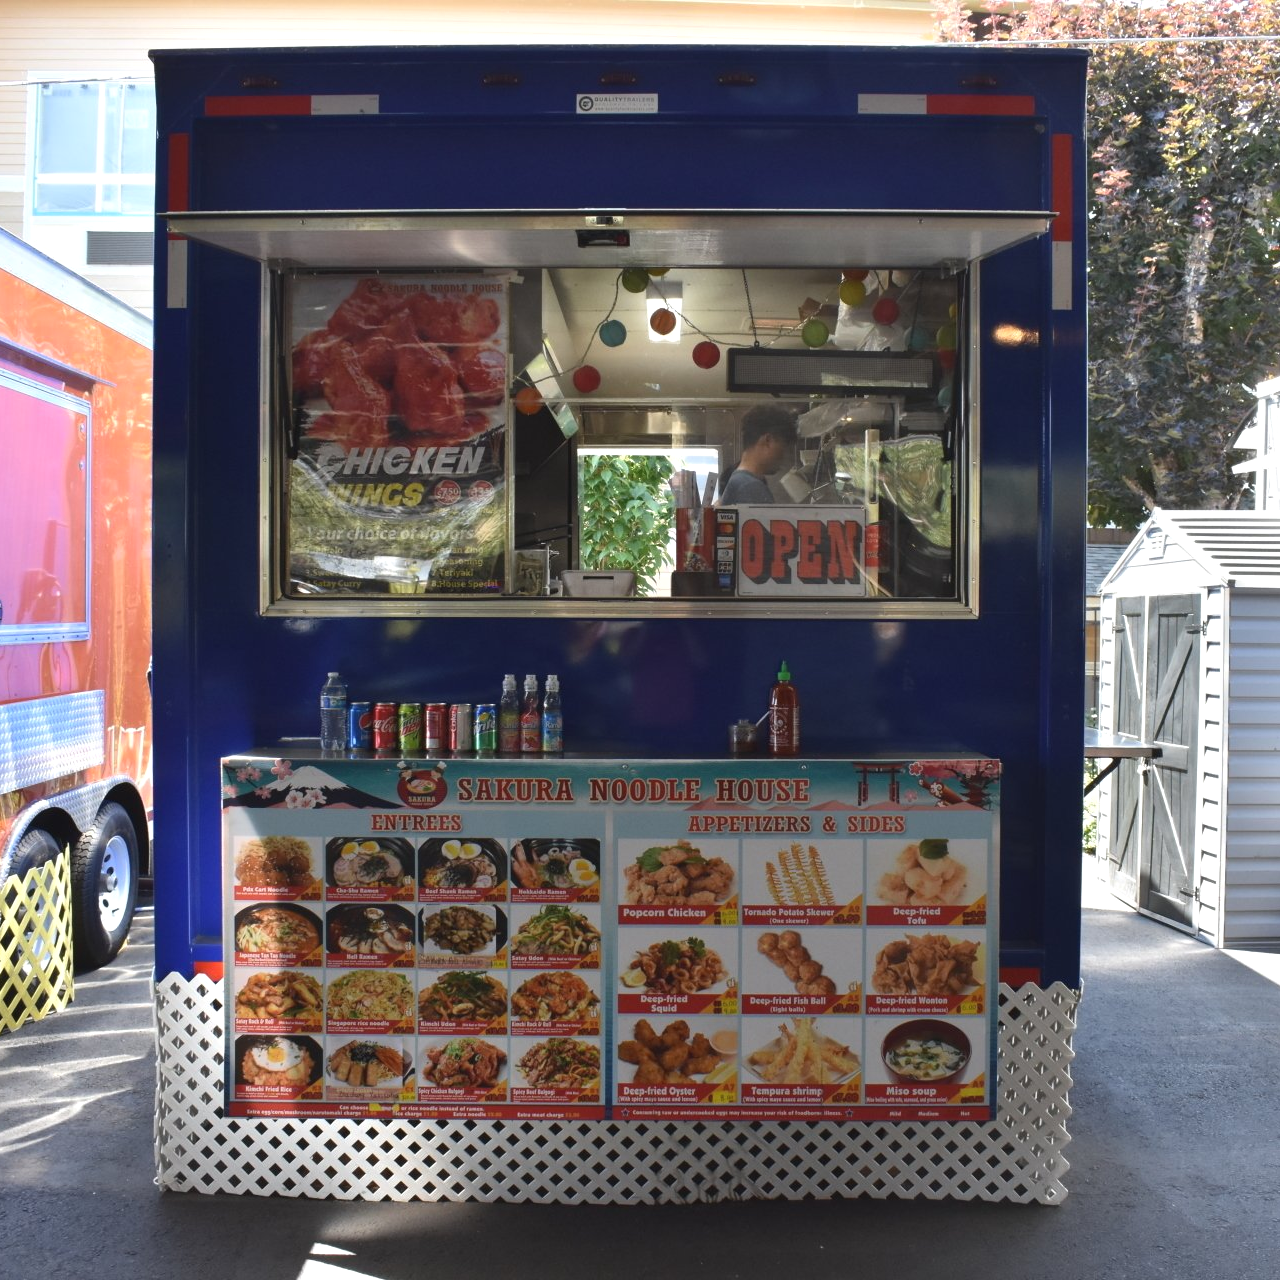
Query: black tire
{"x": 34, "y": 850}
{"x": 104, "y": 887}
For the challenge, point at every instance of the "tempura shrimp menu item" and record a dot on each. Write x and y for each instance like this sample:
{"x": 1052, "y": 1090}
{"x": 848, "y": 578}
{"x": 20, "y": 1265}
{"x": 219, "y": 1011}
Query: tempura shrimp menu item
{"x": 752, "y": 940}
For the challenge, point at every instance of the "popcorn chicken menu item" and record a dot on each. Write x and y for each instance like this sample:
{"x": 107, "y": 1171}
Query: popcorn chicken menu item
{"x": 678, "y": 875}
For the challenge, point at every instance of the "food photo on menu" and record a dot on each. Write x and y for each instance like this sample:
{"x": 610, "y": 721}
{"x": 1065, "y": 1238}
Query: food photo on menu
{"x": 801, "y": 1051}
{"x": 461, "y": 1067}
{"x": 282, "y": 933}
{"x": 555, "y": 936}
{"x": 569, "y": 867}
{"x": 927, "y": 970}
{"x": 560, "y": 998}
{"x": 359, "y": 935}
{"x": 562, "y": 1064}
{"x": 946, "y": 874}
{"x": 369, "y": 999}
{"x": 372, "y": 1069}
{"x": 364, "y": 867}
{"x": 823, "y": 876}
{"x": 678, "y": 873}
{"x": 816, "y": 967}
{"x": 277, "y": 1067}
{"x": 463, "y": 867}
{"x": 456, "y": 933}
{"x": 926, "y": 1060}
{"x": 653, "y": 1054}
{"x": 474, "y": 999}
{"x": 673, "y": 969}
{"x": 278, "y": 999}
{"x": 283, "y": 867}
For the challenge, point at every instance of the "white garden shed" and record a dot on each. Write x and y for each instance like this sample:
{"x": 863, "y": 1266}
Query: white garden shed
{"x": 1190, "y": 661}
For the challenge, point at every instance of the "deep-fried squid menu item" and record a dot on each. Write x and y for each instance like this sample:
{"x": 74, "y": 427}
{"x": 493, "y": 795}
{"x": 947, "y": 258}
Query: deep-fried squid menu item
{"x": 676, "y": 967}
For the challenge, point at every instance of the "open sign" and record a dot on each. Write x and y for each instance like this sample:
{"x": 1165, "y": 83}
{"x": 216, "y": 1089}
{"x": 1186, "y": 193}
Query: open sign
{"x": 800, "y": 551}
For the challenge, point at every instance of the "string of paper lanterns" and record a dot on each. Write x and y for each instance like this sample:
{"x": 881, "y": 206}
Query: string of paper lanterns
{"x": 871, "y": 302}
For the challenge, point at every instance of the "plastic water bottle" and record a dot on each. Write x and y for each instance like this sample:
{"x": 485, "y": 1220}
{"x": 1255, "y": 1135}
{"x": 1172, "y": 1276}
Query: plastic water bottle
{"x": 333, "y": 714}
{"x": 552, "y": 717}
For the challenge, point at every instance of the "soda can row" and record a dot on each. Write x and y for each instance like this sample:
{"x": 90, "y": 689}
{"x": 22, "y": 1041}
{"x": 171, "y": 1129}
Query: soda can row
{"x": 414, "y": 727}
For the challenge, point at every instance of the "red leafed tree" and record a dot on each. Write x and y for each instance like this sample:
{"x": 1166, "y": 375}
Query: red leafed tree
{"x": 1184, "y": 224}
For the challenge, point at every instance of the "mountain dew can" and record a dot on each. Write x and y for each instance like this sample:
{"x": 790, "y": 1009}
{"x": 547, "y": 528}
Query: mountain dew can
{"x": 410, "y": 727}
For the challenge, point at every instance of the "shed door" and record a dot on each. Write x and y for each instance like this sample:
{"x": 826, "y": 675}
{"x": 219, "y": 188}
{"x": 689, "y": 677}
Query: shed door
{"x": 1153, "y": 805}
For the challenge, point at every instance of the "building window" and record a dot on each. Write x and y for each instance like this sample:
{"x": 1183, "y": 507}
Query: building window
{"x": 94, "y": 149}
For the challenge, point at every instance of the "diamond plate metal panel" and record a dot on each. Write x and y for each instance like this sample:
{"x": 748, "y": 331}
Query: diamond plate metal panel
{"x": 1017, "y": 1158}
{"x": 52, "y": 737}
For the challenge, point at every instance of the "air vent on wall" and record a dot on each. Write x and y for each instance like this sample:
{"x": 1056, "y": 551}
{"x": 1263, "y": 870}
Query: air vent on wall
{"x": 119, "y": 249}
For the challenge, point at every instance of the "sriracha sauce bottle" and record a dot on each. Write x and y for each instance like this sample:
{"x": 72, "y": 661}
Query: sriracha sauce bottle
{"x": 784, "y": 716}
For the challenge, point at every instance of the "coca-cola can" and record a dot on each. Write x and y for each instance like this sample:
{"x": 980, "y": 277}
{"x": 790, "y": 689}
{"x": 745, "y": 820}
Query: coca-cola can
{"x": 436, "y": 725}
{"x": 360, "y": 726}
{"x": 461, "y": 727}
{"x": 385, "y": 726}
{"x": 410, "y": 727}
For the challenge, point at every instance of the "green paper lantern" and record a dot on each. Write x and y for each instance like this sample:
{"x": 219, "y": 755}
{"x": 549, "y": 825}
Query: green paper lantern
{"x": 635, "y": 279}
{"x": 815, "y": 333}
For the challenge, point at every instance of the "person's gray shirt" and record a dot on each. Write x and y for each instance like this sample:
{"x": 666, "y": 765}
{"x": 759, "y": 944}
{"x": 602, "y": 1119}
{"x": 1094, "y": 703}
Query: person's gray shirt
{"x": 745, "y": 488}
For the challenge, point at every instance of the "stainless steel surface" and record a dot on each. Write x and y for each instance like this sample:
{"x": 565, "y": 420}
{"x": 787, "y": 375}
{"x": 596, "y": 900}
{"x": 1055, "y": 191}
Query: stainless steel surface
{"x": 50, "y": 737}
{"x": 475, "y": 239}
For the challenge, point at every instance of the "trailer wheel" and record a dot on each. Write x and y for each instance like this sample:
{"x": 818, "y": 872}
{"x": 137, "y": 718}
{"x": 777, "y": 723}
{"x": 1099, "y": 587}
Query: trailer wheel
{"x": 34, "y": 850}
{"x": 104, "y": 886}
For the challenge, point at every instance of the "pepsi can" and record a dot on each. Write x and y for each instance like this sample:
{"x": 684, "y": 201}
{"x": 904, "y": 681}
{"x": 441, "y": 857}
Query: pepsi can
{"x": 360, "y": 726}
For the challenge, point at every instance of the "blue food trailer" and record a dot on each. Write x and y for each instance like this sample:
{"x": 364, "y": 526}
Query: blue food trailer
{"x": 419, "y": 308}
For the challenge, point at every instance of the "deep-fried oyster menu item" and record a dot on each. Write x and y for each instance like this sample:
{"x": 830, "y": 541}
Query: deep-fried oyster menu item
{"x": 925, "y": 875}
{"x": 674, "y": 1057}
{"x": 678, "y": 875}
{"x": 929, "y": 964}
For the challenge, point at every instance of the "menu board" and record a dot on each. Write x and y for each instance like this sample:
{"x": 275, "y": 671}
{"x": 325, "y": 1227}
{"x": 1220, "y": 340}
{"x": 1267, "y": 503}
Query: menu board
{"x": 592, "y": 940}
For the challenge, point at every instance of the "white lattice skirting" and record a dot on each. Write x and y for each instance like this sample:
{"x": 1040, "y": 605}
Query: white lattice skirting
{"x": 1019, "y": 1157}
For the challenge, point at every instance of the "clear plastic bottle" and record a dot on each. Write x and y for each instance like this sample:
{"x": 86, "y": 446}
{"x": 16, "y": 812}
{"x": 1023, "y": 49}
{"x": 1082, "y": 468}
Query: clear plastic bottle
{"x": 530, "y": 717}
{"x": 784, "y": 716}
{"x": 509, "y": 717}
{"x": 552, "y": 717}
{"x": 333, "y": 714}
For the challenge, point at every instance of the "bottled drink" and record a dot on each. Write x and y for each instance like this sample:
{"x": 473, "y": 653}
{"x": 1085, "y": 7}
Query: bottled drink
{"x": 333, "y": 714}
{"x": 552, "y": 717}
{"x": 509, "y": 717}
{"x": 784, "y": 716}
{"x": 530, "y": 717}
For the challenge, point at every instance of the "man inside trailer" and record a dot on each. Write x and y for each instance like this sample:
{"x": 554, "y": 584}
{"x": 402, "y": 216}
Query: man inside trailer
{"x": 768, "y": 443}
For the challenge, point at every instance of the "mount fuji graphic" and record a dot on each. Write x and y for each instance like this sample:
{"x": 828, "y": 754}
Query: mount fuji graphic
{"x": 306, "y": 781}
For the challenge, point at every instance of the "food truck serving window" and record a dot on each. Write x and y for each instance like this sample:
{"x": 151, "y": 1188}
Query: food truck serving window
{"x": 551, "y": 433}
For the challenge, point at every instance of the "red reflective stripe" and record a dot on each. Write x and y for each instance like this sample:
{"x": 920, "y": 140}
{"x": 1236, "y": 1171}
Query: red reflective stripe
{"x": 210, "y": 969}
{"x": 980, "y": 104}
{"x": 179, "y": 172}
{"x": 260, "y": 104}
{"x": 1060, "y": 191}
{"x": 1014, "y": 977}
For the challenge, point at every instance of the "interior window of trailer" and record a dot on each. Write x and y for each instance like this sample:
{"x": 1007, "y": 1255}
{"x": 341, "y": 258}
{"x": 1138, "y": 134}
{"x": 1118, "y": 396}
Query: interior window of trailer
{"x": 541, "y": 432}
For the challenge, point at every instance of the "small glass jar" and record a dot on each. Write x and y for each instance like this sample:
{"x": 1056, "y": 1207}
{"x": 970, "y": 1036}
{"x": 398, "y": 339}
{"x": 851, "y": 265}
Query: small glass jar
{"x": 742, "y": 738}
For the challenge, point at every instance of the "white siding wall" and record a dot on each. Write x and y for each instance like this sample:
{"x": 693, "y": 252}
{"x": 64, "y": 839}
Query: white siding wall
{"x": 1106, "y": 712}
{"x": 1207, "y": 870}
{"x": 1252, "y": 897}
{"x": 86, "y": 39}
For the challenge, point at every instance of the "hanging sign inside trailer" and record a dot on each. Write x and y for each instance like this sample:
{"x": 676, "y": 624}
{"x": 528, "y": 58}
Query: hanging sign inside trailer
{"x": 395, "y": 435}
{"x": 803, "y": 940}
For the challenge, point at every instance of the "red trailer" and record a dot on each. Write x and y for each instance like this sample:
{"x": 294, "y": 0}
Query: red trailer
{"x": 75, "y": 590}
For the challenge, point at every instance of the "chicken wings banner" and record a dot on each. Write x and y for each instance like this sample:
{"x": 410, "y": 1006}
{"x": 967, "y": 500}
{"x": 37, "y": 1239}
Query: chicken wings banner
{"x": 397, "y": 434}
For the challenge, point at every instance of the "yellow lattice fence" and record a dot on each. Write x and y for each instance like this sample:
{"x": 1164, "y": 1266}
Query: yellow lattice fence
{"x": 35, "y": 943}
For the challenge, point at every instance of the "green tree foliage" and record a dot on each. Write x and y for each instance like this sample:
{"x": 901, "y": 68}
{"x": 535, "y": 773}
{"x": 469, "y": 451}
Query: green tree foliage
{"x": 1184, "y": 291}
{"x": 626, "y": 514}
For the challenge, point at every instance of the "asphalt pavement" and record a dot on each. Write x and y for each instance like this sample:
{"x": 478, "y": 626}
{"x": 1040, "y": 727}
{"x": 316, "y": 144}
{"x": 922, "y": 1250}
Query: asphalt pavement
{"x": 1174, "y": 1162}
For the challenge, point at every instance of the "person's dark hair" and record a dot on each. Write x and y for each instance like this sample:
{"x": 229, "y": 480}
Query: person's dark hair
{"x": 768, "y": 419}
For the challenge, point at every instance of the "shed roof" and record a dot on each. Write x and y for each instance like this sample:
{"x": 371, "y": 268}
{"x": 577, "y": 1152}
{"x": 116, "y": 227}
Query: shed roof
{"x": 1098, "y": 560}
{"x": 1239, "y": 548}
